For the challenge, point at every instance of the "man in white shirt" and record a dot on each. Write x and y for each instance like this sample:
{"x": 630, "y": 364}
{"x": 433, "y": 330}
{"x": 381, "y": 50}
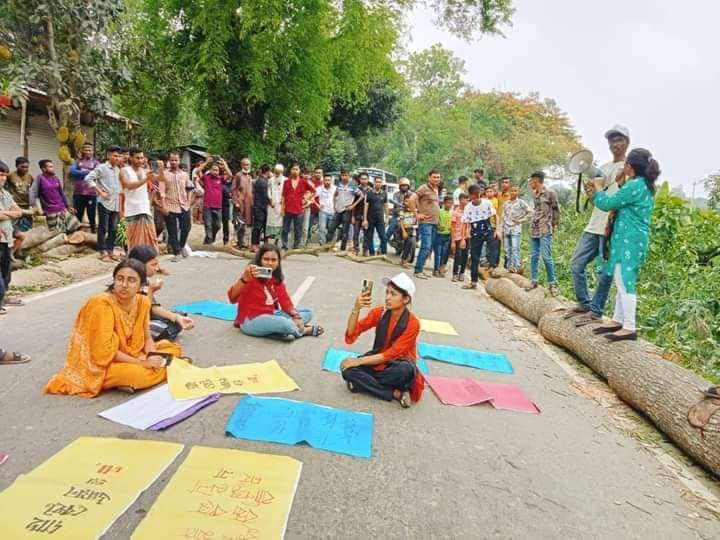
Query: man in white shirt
{"x": 325, "y": 202}
{"x": 139, "y": 224}
{"x": 592, "y": 241}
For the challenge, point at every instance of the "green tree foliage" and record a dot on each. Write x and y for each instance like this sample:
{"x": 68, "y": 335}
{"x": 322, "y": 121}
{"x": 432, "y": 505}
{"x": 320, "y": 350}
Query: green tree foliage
{"x": 679, "y": 285}
{"x": 712, "y": 185}
{"x": 65, "y": 48}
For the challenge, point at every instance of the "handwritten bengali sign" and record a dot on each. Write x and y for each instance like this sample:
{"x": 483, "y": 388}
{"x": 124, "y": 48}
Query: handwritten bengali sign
{"x": 221, "y": 494}
{"x": 438, "y": 327}
{"x": 187, "y": 381}
{"x": 80, "y": 491}
{"x": 287, "y": 421}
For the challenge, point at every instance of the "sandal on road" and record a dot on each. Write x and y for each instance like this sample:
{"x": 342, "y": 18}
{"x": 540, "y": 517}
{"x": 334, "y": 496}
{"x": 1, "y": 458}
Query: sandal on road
{"x": 10, "y": 358}
{"x": 12, "y": 301}
{"x": 314, "y": 331}
{"x": 469, "y": 286}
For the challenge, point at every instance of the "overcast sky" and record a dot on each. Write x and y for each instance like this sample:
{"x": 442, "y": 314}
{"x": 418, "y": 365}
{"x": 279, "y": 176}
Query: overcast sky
{"x": 650, "y": 65}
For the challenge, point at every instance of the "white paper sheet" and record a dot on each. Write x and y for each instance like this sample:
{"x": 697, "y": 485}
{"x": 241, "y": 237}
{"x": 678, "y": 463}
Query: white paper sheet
{"x": 149, "y": 408}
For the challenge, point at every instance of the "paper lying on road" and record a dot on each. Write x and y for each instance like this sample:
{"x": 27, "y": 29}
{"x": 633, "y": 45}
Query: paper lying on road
{"x": 466, "y": 392}
{"x": 465, "y": 357}
{"x": 218, "y": 493}
{"x": 334, "y": 357}
{"x": 459, "y": 392}
{"x": 204, "y": 254}
{"x": 80, "y": 491}
{"x": 291, "y": 422}
{"x": 187, "y": 381}
{"x": 437, "y": 327}
{"x": 156, "y": 409}
{"x": 209, "y": 308}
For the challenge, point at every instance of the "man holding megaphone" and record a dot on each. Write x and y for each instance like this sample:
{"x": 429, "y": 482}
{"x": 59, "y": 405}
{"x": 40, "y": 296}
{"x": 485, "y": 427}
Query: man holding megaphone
{"x": 592, "y": 241}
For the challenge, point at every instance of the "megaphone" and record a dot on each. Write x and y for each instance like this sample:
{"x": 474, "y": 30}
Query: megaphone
{"x": 581, "y": 162}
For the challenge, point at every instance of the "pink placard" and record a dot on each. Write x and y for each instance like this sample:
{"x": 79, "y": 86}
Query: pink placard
{"x": 509, "y": 397}
{"x": 459, "y": 392}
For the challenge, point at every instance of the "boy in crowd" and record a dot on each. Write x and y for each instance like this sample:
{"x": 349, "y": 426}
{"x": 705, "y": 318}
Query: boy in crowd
{"x": 9, "y": 211}
{"x": 543, "y": 225}
{"x": 463, "y": 182}
{"x": 105, "y": 180}
{"x": 324, "y": 201}
{"x": 18, "y": 184}
{"x": 459, "y": 240}
{"x": 213, "y": 186}
{"x": 407, "y": 222}
{"x": 358, "y": 212}
{"x": 47, "y": 194}
{"x": 477, "y": 226}
{"x": 442, "y": 240}
{"x": 84, "y": 195}
{"x": 515, "y": 213}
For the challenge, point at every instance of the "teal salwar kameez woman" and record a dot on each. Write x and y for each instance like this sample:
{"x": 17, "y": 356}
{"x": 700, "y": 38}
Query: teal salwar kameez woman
{"x": 633, "y": 205}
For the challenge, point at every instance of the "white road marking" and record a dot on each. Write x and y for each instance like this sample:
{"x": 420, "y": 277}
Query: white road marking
{"x": 302, "y": 289}
{"x": 77, "y": 285}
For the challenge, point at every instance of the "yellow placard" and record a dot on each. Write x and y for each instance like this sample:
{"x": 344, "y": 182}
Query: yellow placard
{"x": 80, "y": 491}
{"x": 218, "y": 493}
{"x": 437, "y": 327}
{"x": 187, "y": 381}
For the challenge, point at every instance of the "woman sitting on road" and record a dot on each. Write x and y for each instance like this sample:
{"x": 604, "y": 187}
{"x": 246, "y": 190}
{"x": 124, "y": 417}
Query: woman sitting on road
{"x": 389, "y": 370}
{"x": 110, "y": 344}
{"x": 264, "y": 306}
{"x": 164, "y": 324}
{"x": 633, "y": 205}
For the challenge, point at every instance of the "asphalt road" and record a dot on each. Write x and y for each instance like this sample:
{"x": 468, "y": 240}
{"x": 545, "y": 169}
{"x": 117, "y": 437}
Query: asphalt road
{"x": 436, "y": 471}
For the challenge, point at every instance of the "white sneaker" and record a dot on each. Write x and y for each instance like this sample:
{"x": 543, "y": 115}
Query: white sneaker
{"x": 186, "y": 251}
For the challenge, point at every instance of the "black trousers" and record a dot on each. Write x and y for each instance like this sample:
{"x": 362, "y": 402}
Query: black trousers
{"x": 211, "y": 218}
{"x": 296, "y": 222}
{"x": 408, "y": 250}
{"x": 460, "y": 260}
{"x": 258, "y": 229}
{"x": 397, "y": 375}
{"x": 5, "y": 270}
{"x": 340, "y": 220}
{"x": 178, "y": 229}
{"x": 226, "y": 205}
{"x": 107, "y": 228}
{"x": 476, "y": 247}
{"x": 83, "y": 203}
{"x": 375, "y": 224}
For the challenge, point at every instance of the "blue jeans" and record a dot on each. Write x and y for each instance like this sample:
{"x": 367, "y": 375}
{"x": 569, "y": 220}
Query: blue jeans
{"x": 294, "y": 221}
{"x": 280, "y": 323}
{"x": 512, "y": 250}
{"x": 324, "y": 219}
{"x": 393, "y": 226}
{"x": 442, "y": 251}
{"x": 427, "y": 233}
{"x": 589, "y": 247}
{"x": 542, "y": 247}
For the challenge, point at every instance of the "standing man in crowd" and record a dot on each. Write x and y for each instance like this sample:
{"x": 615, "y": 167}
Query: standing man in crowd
{"x": 227, "y": 204}
{"x": 105, "y": 180}
{"x": 242, "y": 198}
{"x": 480, "y": 178}
{"x": 213, "y": 184}
{"x": 543, "y": 225}
{"x": 295, "y": 192}
{"x": 592, "y": 241}
{"x": 325, "y": 203}
{"x": 84, "y": 196}
{"x": 374, "y": 218}
{"x": 9, "y": 211}
{"x": 174, "y": 191}
{"x": 463, "y": 182}
{"x": 344, "y": 197}
{"x": 313, "y": 213}
{"x": 261, "y": 202}
{"x": 48, "y": 196}
{"x": 18, "y": 185}
{"x": 273, "y": 225}
{"x": 397, "y": 201}
{"x": 358, "y": 213}
{"x": 428, "y": 197}
{"x": 137, "y": 212}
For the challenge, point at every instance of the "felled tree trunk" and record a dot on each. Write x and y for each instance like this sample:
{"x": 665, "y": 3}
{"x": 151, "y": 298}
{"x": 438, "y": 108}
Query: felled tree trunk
{"x": 36, "y": 236}
{"x": 636, "y": 371}
{"x": 54, "y": 242}
{"x": 79, "y": 238}
{"x": 61, "y": 252}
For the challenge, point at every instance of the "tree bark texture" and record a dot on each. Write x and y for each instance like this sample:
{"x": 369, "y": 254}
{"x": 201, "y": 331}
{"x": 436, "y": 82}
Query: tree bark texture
{"x": 36, "y": 236}
{"x": 636, "y": 371}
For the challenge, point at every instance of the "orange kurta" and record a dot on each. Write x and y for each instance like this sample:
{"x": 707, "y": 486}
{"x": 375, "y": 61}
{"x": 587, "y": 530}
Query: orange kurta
{"x": 102, "y": 329}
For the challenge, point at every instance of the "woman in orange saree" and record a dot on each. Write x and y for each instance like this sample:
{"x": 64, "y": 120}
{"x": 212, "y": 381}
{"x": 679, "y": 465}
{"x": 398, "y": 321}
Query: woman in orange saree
{"x": 110, "y": 344}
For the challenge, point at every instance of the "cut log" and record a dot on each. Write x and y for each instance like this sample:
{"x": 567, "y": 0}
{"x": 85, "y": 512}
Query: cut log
{"x": 636, "y": 371}
{"x": 82, "y": 237}
{"x": 36, "y": 236}
{"x": 54, "y": 242}
{"x": 64, "y": 251}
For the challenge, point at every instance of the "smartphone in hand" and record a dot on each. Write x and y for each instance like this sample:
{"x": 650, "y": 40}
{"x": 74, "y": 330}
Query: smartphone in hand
{"x": 367, "y": 287}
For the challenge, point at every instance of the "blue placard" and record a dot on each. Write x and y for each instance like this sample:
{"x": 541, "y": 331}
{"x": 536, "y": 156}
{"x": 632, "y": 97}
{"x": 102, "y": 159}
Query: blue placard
{"x": 210, "y": 308}
{"x": 496, "y": 362}
{"x": 334, "y": 357}
{"x": 288, "y": 421}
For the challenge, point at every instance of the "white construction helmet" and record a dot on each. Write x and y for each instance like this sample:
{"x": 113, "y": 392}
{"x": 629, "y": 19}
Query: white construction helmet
{"x": 404, "y": 182}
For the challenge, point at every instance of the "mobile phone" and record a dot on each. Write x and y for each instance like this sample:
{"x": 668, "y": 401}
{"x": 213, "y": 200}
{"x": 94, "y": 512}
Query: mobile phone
{"x": 367, "y": 287}
{"x": 264, "y": 272}
{"x": 154, "y": 165}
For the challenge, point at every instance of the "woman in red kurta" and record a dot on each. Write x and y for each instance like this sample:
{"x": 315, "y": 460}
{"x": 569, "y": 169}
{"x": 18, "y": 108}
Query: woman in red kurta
{"x": 389, "y": 370}
{"x": 264, "y": 306}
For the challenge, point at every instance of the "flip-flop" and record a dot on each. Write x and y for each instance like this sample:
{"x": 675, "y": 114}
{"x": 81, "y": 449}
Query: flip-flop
{"x": 16, "y": 358}
{"x": 3, "y": 311}
{"x": 317, "y": 330}
{"x": 14, "y": 302}
{"x": 469, "y": 286}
